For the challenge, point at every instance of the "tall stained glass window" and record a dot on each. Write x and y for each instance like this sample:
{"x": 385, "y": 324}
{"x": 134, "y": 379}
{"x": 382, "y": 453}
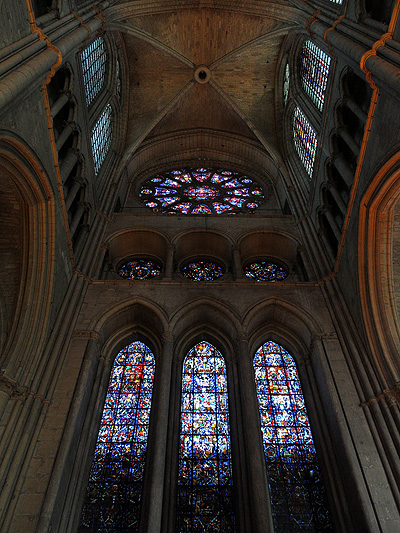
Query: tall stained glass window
{"x": 113, "y": 495}
{"x": 205, "y": 469}
{"x": 314, "y": 70}
{"x": 101, "y": 137}
{"x": 298, "y": 498}
{"x": 305, "y": 140}
{"x": 93, "y": 60}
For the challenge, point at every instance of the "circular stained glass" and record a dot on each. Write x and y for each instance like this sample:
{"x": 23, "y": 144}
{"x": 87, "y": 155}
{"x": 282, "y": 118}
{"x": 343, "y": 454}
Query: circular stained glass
{"x": 202, "y": 271}
{"x": 202, "y": 191}
{"x": 265, "y": 271}
{"x": 140, "y": 269}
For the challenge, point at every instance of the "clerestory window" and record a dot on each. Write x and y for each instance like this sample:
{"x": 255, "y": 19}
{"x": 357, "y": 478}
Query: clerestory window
{"x": 101, "y": 137}
{"x": 93, "y": 60}
{"x": 314, "y": 71}
{"x": 305, "y": 140}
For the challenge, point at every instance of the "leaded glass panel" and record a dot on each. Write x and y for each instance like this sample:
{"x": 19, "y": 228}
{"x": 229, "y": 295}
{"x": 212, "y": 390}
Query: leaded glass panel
{"x": 305, "y": 140}
{"x": 140, "y": 269}
{"x": 93, "y": 59}
{"x": 205, "y": 469}
{"x": 298, "y": 499}
{"x": 286, "y": 83}
{"x": 101, "y": 138}
{"x": 201, "y": 191}
{"x": 202, "y": 271}
{"x": 265, "y": 271}
{"x": 314, "y": 71}
{"x": 113, "y": 495}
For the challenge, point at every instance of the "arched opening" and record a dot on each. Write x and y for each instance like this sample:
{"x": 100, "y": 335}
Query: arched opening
{"x": 115, "y": 484}
{"x": 205, "y": 496}
{"x": 298, "y": 500}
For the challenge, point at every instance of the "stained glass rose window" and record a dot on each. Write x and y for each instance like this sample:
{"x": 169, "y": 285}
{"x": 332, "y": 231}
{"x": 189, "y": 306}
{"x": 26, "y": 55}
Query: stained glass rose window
{"x": 201, "y": 191}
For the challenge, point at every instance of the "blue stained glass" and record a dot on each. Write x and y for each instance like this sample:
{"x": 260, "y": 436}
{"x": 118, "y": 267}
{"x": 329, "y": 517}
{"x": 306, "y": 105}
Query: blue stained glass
{"x": 231, "y": 184}
{"x": 238, "y": 202}
{"x": 298, "y": 499}
{"x": 314, "y": 71}
{"x": 221, "y": 208}
{"x": 202, "y": 271}
{"x": 205, "y": 495}
{"x": 113, "y": 495}
{"x": 168, "y": 200}
{"x": 160, "y": 191}
{"x": 239, "y": 192}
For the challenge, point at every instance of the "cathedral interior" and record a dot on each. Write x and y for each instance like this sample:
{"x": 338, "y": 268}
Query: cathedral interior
{"x": 199, "y": 248}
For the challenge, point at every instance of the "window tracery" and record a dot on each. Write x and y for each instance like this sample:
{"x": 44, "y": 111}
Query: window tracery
{"x": 202, "y": 271}
{"x": 265, "y": 271}
{"x": 205, "y": 469}
{"x": 114, "y": 492}
{"x": 298, "y": 498}
{"x": 140, "y": 269}
{"x": 93, "y": 60}
{"x": 201, "y": 191}
{"x": 305, "y": 140}
{"x": 314, "y": 71}
{"x": 101, "y": 137}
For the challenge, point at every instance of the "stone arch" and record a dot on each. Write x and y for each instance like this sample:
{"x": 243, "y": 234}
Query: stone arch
{"x": 205, "y": 313}
{"x": 379, "y": 238}
{"x": 27, "y": 246}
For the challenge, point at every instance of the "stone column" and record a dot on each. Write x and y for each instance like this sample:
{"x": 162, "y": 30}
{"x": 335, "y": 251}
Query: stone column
{"x": 153, "y": 490}
{"x": 260, "y": 506}
{"x": 169, "y": 262}
{"x": 237, "y": 263}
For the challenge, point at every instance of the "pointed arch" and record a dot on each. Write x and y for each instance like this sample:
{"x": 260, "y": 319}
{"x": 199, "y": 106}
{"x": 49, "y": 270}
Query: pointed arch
{"x": 297, "y": 494}
{"x": 205, "y": 487}
{"x": 115, "y": 483}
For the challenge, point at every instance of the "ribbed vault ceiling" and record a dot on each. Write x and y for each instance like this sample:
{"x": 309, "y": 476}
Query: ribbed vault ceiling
{"x": 239, "y": 41}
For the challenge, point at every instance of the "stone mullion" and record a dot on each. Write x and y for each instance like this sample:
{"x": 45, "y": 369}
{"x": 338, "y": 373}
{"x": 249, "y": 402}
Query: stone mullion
{"x": 156, "y": 454}
{"x": 260, "y": 506}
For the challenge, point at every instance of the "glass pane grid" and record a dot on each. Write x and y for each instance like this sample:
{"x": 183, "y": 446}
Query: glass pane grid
{"x": 305, "y": 140}
{"x": 314, "y": 71}
{"x": 205, "y": 470}
{"x": 93, "y": 59}
{"x": 101, "y": 138}
{"x": 114, "y": 491}
{"x": 298, "y": 499}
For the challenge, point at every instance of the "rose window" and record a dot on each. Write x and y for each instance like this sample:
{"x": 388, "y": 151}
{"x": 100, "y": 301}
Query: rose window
{"x": 201, "y": 191}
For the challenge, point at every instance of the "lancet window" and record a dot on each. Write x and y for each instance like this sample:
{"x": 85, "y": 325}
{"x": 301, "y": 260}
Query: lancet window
{"x": 101, "y": 137}
{"x": 93, "y": 60}
{"x": 205, "y": 469}
{"x": 305, "y": 140}
{"x": 115, "y": 484}
{"x": 314, "y": 71}
{"x": 298, "y": 498}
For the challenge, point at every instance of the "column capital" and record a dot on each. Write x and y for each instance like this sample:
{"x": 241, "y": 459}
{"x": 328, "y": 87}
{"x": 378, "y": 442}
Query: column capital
{"x": 167, "y": 336}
